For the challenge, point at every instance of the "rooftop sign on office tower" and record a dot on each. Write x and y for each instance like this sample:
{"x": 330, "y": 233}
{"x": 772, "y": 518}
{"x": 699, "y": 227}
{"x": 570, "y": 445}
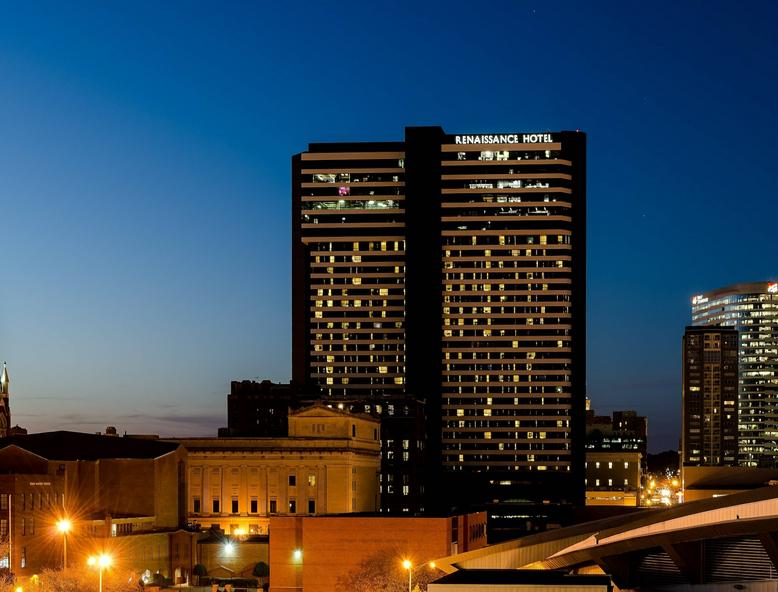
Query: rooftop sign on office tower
{"x": 504, "y": 139}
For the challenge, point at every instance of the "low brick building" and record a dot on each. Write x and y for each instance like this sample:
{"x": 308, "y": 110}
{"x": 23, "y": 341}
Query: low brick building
{"x": 315, "y": 553}
{"x": 122, "y": 496}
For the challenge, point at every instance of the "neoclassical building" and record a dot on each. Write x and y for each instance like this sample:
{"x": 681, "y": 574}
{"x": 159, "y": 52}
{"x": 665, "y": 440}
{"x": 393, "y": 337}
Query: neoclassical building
{"x": 328, "y": 464}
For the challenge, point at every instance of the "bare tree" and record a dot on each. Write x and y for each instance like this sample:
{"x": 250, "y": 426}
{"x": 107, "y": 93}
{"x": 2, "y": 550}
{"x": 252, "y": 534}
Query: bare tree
{"x": 383, "y": 572}
{"x": 78, "y": 580}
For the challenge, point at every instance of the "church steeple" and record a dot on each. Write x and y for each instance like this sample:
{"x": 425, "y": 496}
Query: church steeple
{"x": 4, "y": 381}
{"x": 5, "y": 406}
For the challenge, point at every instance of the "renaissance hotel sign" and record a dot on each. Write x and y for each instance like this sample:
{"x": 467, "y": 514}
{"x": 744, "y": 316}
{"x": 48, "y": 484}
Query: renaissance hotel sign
{"x": 504, "y": 139}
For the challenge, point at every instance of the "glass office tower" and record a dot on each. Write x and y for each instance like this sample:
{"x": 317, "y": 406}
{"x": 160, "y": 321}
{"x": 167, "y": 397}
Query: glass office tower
{"x": 752, "y": 309}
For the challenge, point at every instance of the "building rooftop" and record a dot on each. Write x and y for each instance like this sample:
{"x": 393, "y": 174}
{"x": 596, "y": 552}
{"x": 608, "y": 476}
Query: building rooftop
{"x": 743, "y": 288}
{"x": 522, "y": 576}
{"x": 64, "y": 445}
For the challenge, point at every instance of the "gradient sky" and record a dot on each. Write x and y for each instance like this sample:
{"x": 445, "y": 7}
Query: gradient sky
{"x": 145, "y": 177}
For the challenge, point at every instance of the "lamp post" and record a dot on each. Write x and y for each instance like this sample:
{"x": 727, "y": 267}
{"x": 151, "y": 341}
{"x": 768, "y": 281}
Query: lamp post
{"x": 64, "y": 526}
{"x": 101, "y": 561}
{"x": 409, "y": 566}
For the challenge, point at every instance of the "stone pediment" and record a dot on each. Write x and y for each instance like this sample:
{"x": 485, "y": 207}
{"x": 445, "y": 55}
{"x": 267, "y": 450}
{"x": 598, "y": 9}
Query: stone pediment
{"x": 319, "y": 411}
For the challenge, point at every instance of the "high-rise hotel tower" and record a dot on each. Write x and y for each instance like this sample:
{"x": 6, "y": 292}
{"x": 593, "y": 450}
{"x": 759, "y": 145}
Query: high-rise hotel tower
{"x": 451, "y": 269}
{"x": 752, "y": 309}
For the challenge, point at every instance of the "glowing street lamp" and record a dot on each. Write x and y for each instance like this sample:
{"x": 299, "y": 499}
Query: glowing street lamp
{"x": 409, "y": 566}
{"x": 101, "y": 561}
{"x": 64, "y": 526}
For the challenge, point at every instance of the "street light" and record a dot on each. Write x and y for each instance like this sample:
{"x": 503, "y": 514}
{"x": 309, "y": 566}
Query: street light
{"x": 101, "y": 561}
{"x": 64, "y": 526}
{"x": 409, "y": 566}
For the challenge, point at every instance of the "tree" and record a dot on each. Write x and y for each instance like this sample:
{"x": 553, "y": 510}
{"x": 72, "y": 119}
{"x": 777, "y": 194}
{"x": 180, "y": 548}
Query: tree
{"x": 7, "y": 582}
{"x": 199, "y": 571}
{"x": 261, "y": 571}
{"x": 77, "y": 580}
{"x": 383, "y": 572}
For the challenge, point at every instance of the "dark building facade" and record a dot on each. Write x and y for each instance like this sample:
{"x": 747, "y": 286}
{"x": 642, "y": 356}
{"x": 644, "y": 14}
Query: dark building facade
{"x": 260, "y": 409}
{"x": 623, "y": 431}
{"x": 451, "y": 269}
{"x": 710, "y": 401}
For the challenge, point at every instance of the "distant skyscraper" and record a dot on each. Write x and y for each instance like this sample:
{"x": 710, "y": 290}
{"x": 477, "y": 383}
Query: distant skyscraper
{"x": 451, "y": 269}
{"x": 752, "y": 309}
{"x": 710, "y": 404}
{"x": 5, "y": 403}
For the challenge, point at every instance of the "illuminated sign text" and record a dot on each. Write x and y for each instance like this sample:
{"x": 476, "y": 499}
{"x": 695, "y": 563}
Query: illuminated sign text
{"x": 504, "y": 139}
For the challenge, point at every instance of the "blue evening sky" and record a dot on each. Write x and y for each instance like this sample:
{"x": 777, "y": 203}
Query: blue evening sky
{"x": 145, "y": 177}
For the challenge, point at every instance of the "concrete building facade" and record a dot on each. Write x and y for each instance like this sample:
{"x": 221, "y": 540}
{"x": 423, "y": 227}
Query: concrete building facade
{"x": 328, "y": 464}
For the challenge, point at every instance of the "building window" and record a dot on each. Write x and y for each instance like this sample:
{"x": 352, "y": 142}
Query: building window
{"x": 610, "y": 482}
{"x": 23, "y": 562}
{"x": 32, "y": 526}
{"x": 311, "y": 480}
{"x": 254, "y": 507}
{"x": 196, "y": 505}
{"x": 292, "y": 506}
{"x": 3, "y": 528}
{"x": 215, "y": 505}
{"x": 292, "y": 480}
{"x": 4, "y": 501}
{"x": 24, "y": 527}
{"x": 626, "y": 465}
{"x": 353, "y": 431}
{"x": 610, "y": 465}
{"x": 311, "y": 506}
{"x": 234, "y": 506}
{"x": 273, "y": 506}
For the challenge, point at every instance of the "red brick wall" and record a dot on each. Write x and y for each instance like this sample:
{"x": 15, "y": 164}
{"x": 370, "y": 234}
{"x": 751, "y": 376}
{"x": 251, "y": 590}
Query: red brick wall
{"x": 332, "y": 547}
